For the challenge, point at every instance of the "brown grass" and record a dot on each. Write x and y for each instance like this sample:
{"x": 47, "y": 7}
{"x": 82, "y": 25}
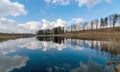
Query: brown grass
{"x": 13, "y": 36}
{"x": 105, "y": 34}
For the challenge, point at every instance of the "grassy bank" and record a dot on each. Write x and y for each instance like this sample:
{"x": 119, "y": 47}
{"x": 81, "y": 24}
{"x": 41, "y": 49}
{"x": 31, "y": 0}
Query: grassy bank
{"x": 106, "y": 34}
{"x": 6, "y": 36}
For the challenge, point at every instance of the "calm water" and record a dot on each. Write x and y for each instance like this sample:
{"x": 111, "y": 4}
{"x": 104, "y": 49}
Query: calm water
{"x": 58, "y": 55}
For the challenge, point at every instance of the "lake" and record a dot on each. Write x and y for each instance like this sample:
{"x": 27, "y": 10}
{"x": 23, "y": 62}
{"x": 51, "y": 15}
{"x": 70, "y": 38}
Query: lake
{"x": 57, "y": 54}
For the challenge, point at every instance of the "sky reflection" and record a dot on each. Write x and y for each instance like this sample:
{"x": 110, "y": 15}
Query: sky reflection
{"x": 58, "y": 54}
{"x": 8, "y": 63}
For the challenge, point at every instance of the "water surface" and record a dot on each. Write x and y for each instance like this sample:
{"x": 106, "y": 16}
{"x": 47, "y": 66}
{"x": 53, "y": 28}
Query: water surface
{"x": 58, "y": 55}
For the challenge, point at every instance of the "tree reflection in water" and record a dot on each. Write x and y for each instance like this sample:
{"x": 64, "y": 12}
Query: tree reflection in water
{"x": 58, "y": 40}
{"x": 93, "y": 56}
{"x": 102, "y": 47}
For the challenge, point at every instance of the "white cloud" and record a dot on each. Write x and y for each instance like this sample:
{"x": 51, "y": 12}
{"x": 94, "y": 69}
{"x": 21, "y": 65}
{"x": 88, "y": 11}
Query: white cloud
{"x": 11, "y": 8}
{"x": 59, "y": 2}
{"x": 7, "y": 25}
{"x": 48, "y": 25}
{"x": 88, "y": 3}
{"x": 29, "y": 27}
{"x": 77, "y": 20}
{"x": 10, "y": 26}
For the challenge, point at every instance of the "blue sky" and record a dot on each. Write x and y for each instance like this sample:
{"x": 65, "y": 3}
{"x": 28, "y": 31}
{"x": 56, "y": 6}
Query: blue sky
{"x": 49, "y": 11}
{"x": 39, "y": 9}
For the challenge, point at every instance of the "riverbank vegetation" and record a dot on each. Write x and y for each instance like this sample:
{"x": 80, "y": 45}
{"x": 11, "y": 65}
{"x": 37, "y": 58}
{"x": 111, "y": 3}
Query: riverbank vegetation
{"x": 6, "y": 36}
{"x": 107, "y": 28}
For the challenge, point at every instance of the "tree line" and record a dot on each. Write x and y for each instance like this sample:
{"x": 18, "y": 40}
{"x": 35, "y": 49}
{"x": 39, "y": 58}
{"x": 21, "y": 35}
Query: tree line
{"x": 56, "y": 30}
{"x": 107, "y": 22}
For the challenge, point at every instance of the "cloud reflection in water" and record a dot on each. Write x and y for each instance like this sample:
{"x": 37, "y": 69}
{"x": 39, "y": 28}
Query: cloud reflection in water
{"x": 60, "y": 44}
{"x": 92, "y": 67}
{"x": 8, "y": 63}
{"x": 33, "y": 44}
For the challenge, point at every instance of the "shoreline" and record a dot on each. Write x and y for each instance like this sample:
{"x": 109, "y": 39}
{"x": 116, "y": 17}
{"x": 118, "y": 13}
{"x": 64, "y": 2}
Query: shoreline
{"x": 104, "y": 34}
{"x": 4, "y": 37}
{"x": 114, "y": 37}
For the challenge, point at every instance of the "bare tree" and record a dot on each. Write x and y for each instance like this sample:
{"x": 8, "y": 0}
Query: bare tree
{"x": 91, "y": 23}
{"x": 96, "y": 23}
{"x": 115, "y": 19}
{"x": 110, "y": 20}
{"x": 101, "y": 23}
{"x": 119, "y": 19}
{"x": 106, "y": 21}
{"x": 72, "y": 28}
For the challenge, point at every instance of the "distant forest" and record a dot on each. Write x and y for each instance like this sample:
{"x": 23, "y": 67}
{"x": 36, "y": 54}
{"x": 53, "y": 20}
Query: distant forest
{"x": 107, "y": 22}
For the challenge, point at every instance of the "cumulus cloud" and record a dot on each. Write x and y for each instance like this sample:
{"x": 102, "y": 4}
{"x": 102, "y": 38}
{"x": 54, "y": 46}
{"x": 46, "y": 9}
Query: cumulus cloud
{"x": 88, "y": 3}
{"x": 29, "y": 27}
{"x": 77, "y": 20}
{"x": 8, "y": 63}
{"x": 10, "y": 26}
{"x": 47, "y": 24}
{"x": 11, "y": 8}
{"x": 7, "y": 25}
{"x": 59, "y": 2}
